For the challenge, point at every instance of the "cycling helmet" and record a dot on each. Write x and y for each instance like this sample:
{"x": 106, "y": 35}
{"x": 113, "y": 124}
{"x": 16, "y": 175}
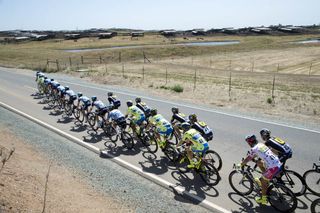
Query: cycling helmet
{"x": 79, "y": 94}
{"x": 138, "y": 100}
{"x": 193, "y": 117}
{"x": 175, "y": 110}
{"x": 52, "y": 79}
{"x": 265, "y": 134}
{"x": 58, "y": 84}
{"x": 110, "y": 94}
{"x": 94, "y": 98}
{"x": 129, "y": 103}
{"x": 66, "y": 88}
{"x": 251, "y": 140}
{"x": 45, "y": 77}
{"x": 153, "y": 112}
{"x": 185, "y": 126}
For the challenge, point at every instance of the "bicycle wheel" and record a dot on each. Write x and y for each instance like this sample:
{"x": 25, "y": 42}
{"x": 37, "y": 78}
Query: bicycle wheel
{"x": 68, "y": 109}
{"x": 182, "y": 163}
{"x": 214, "y": 158}
{"x": 294, "y": 181}
{"x": 150, "y": 142}
{"x": 127, "y": 139}
{"x": 315, "y": 206}
{"x": 312, "y": 178}
{"x": 110, "y": 132}
{"x": 92, "y": 120}
{"x": 209, "y": 174}
{"x": 281, "y": 198}
{"x": 170, "y": 151}
{"x": 240, "y": 183}
{"x": 76, "y": 113}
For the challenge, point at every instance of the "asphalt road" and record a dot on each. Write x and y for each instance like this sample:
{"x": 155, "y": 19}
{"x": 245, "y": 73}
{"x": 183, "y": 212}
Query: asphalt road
{"x": 16, "y": 87}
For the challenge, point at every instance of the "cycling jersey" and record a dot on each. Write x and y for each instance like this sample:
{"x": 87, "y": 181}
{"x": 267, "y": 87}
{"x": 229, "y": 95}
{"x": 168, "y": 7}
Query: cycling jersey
{"x": 61, "y": 89}
{"x": 115, "y": 115}
{"x": 199, "y": 144}
{"x": 47, "y": 81}
{"x": 180, "y": 117}
{"x": 40, "y": 80}
{"x": 136, "y": 114}
{"x": 145, "y": 108}
{"x": 54, "y": 84}
{"x": 203, "y": 128}
{"x": 268, "y": 157}
{"x": 163, "y": 127}
{"x": 99, "y": 104}
{"x": 114, "y": 102}
{"x": 85, "y": 101}
{"x": 279, "y": 145}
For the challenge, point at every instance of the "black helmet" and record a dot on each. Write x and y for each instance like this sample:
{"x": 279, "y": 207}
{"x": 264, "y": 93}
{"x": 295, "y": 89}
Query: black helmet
{"x": 193, "y": 117}
{"x": 129, "y": 103}
{"x": 79, "y": 94}
{"x": 94, "y": 98}
{"x": 265, "y": 134}
{"x": 66, "y": 88}
{"x": 251, "y": 140}
{"x": 138, "y": 100}
{"x": 52, "y": 79}
{"x": 110, "y": 94}
{"x": 45, "y": 77}
{"x": 58, "y": 84}
{"x": 153, "y": 112}
{"x": 185, "y": 126}
{"x": 175, "y": 110}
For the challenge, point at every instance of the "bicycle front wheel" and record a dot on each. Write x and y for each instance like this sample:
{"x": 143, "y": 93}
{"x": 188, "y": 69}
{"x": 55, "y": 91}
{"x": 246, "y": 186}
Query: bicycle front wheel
{"x": 150, "y": 143}
{"x": 209, "y": 174}
{"x": 170, "y": 152}
{"x": 281, "y": 198}
{"x": 214, "y": 158}
{"x": 127, "y": 139}
{"x": 312, "y": 178}
{"x": 294, "y": 181}
{"x": 315, "y": 206}
{"x": 240, "y": 183}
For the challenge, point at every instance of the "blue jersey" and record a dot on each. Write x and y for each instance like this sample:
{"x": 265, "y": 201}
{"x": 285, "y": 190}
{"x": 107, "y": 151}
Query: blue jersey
{"x": 85, "y": 100}
{"x": 54, "y": 84}
{"x": 99, "y": 104}
{"x": 70, "y": 93}
{"x": 115, "y": 115}
{"x": 61, "y": 89}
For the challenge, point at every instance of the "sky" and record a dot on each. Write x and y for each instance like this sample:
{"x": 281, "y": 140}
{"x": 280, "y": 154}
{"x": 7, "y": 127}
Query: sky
{"x": 154, "y": 14}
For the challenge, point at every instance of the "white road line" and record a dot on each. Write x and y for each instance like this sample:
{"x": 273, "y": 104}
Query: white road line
{"x": 152, "y": 177}
{"x": 199, "y": 108}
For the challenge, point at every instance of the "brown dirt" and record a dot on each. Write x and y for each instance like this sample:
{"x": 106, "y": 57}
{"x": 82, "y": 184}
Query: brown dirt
{"x": 23, "y": 181}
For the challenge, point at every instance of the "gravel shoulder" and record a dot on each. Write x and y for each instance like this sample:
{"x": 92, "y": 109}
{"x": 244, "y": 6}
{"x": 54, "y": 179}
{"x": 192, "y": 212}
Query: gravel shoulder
{"x": 78, "y": 181}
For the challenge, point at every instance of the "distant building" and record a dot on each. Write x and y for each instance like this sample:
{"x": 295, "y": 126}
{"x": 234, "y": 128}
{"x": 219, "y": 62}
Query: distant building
{"x": 261, "y": 30}
{"x": 291, "y": 29}
{"x": 137, "y": 34}
{"x": 72, "y": 36}
{"x": 107, "y": 35}
{"x": 198, "y": 32}
{"x": 168, "y": 33}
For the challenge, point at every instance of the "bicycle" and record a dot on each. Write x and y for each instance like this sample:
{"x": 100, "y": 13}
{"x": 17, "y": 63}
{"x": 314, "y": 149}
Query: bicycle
{"x": 291, "y": 179}
{"x": 312, "y": 179}
{"x": 279, "y": 196}
{"x": 80, "y": 113}
{"x": 124, "y": 136}
{"x": 315, "y": 206}
{"x": 204, "y": 166}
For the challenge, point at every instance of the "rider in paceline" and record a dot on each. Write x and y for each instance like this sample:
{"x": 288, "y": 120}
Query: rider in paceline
{"x": 270, "y": 165}
{"x": 195, "y": 143}
{"x": 163, "y": 128}
{"x": 113, "y": 101}
{"x": 201, "y": 127}
{"x": 117, "y": 118}
{"x": 177, "y": 119}
{"x": 144, "y": 107}
{"x": 100, "y": 108}
{"x": 277, "y": 145}
{"x": 137, "y": 117}
{"x": 83, "y": 102}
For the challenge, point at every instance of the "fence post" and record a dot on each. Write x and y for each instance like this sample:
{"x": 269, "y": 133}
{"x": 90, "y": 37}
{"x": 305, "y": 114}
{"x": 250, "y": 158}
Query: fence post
{"x": 70, "y": 62}
{"x": 252, "y": 67}
{"x": 229, "y": 65}
{"x": 278, "y": 68}
{"x": 273, "y": 83}
{"x": 143, "y": 72}
{"x": 230, "y": 86}
{"x": 47, "y": 64}
{"x": 81, "y": 59}
{"x": 210, "y": 62}
{"x": 57, "y": 64}
{"x": 195, "y": 80}
{"x": 123, "y": 70}
{"x": 310, "y": 69}
{"x": 106, "y": 70}
{"x": 119, "y": 57}
{"x": 192, "y": 60}
{"x": 100, "y": 59}
{"x": 166, "y": 75}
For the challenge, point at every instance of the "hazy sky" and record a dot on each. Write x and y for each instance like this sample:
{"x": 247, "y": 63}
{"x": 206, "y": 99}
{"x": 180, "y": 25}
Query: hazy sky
{"x": 152, "y": 14}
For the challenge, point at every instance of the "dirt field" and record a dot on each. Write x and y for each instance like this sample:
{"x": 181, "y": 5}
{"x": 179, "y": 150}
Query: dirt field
{"x": 23, "y": 182}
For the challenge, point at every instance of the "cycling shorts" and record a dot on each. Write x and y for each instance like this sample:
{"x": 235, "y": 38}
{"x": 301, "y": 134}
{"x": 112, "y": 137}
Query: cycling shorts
{"x": 139, "y": 121}
{"x": 202, "y": 149}
{"x": 270, "y": 173}
{"x": 167, "y": 132}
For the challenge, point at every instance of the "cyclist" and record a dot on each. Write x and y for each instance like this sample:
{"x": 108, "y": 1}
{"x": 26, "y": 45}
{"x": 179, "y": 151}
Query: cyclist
{"x": 277, "y": 145}
{"x": 177, "y": 119}
{"x": 195, "y": 143}
{"x": 117, "y": 118}
{"x": 100, "y": 108}
{"x": 163, "y": 127}
{"x": 70, "y": 95}
{"x": 136, "y": 115}
{"x": 38, "y": 73}
{"x": 113, "y": 101}
{"x": 46, "y": 84}
{"x": 144, "y": 107}
{"x": 83, "y": 102}
{"x": 201, "y": 127}
{"x": 270, "y": 165}
{"x": 40, "y": 82}
{"x": 61, "y": 89}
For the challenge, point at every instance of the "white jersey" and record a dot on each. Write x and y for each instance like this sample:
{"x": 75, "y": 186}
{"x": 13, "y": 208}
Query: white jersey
{"x": 115, "y": 114}
{"x": 269, "y": 158}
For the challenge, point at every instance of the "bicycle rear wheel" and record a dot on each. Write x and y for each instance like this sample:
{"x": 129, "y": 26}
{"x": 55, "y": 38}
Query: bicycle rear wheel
{"x": 315, "y": 206}
{"x": 150, "y": 142}
{"x": 294, "y": 181}
{"x": 214, "y": 158}
{"x": 241, "y": 184}
{"x": 127, "y": 139}
{"x": 209, "y": 174}
{"x": 170, "y": 151}
{"x": 281, "y": 198}
{"x": 92, "y": 120}
{"x": 312, "y": 178}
